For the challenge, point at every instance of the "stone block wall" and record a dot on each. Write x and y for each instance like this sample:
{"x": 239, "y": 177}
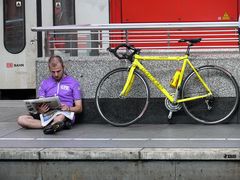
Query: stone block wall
{"x": 90, "y": 69}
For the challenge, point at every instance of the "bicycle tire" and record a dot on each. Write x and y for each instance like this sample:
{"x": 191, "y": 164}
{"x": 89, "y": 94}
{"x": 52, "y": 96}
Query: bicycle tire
{"x": 225, "y": 95}
{"x": 121, "y": 111}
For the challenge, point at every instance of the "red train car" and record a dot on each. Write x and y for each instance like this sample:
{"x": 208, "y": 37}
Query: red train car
{"x": 145, "y": 11}
{"x": 159, "y": 11}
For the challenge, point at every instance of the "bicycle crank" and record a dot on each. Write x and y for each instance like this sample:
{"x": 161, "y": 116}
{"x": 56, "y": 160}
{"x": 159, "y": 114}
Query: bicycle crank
{"x": 172, "y": 107}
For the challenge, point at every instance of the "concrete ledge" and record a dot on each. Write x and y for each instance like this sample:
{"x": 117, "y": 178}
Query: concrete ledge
{"x": 90, "y": 153}
{"x": 190, "y": 154}
{"x": 19, "y": 153}
{"x": 223, "y": 154}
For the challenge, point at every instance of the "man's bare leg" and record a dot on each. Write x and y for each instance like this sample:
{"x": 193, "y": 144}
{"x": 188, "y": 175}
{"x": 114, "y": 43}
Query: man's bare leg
{"x": 28, "y": 121}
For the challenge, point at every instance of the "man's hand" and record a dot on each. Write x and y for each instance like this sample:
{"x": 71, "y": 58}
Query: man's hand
{"x": 43, "y": 108}
{"x": 64, "y": 107}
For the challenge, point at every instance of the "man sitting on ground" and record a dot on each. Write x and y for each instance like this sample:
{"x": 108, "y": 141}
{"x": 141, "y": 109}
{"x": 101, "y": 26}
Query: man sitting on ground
{"x": 58, "y": 84}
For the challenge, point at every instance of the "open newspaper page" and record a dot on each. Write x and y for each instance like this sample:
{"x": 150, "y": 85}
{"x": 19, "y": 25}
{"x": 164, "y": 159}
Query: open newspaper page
{"x": 32, "y": 105}
{"x": 48, "y": 117}
{"x": 54, "y": 109}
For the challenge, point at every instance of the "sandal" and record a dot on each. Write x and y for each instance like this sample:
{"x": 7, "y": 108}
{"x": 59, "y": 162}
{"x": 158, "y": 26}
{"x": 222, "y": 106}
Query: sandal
{"x": 53, "y": 128}
{"x": 68, "y": 124}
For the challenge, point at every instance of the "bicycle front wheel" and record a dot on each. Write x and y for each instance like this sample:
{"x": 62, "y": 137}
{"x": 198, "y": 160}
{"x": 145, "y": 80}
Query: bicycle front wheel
{"x": 221, "y": 105}
{"x": 126, "y": 110}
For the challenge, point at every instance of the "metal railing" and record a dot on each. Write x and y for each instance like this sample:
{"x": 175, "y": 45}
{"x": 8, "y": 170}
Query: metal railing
{"x": 92, "y": 39}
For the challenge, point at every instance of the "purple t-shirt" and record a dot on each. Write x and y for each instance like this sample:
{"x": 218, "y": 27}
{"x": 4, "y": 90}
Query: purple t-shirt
{"x": 67, "y": 89}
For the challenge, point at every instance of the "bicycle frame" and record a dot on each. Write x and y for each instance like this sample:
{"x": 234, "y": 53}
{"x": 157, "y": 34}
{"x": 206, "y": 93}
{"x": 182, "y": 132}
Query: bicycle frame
{"x": 172, "y": 98}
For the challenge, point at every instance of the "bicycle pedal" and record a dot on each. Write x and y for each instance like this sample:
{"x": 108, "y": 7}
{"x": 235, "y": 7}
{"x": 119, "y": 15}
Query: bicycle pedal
{"x": 170, "y": 115}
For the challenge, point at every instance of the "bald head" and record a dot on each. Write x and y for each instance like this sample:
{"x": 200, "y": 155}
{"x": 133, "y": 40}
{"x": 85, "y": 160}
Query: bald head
{"x": 55, "y": 61}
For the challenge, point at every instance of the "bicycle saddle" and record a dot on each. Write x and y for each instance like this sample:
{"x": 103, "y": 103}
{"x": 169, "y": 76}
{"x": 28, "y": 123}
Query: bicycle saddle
{"x": 192, "y": 41}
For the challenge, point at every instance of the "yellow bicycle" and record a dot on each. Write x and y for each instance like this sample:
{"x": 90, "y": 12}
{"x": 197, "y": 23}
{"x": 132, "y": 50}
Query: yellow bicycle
{"x": 209, "y": 94}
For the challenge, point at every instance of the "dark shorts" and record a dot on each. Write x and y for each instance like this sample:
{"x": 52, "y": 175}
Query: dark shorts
{"x": 35, "y": 116}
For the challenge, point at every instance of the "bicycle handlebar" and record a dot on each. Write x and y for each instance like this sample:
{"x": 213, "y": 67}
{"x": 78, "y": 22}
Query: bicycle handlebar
{"x": 130, "y": 51}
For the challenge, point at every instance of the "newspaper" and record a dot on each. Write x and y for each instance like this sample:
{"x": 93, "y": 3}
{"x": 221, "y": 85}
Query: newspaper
{"x": 33, "y": 104}
{"x": 54, "y": 109}
{"x": 48, "y": 117}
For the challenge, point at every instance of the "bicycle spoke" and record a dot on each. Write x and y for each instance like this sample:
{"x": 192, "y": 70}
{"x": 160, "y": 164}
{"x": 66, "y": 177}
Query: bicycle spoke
{"x": 220, "y": 105}
{"x": 121, "y": 110}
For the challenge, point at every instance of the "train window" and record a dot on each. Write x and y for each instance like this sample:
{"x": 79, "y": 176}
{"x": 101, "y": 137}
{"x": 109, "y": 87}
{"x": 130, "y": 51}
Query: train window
{"x": 14, "y": 25}
{"x": 64, "y": 12}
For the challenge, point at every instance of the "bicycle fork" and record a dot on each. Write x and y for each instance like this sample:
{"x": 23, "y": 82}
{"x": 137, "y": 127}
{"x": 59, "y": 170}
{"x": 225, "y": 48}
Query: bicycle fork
{"x": 129, "y": 82}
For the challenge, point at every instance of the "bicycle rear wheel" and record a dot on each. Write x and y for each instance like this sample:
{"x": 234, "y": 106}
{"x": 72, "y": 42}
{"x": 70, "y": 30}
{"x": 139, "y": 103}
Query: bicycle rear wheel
{"x": 121, "y": 111}
{"x": 221, "y": 105}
